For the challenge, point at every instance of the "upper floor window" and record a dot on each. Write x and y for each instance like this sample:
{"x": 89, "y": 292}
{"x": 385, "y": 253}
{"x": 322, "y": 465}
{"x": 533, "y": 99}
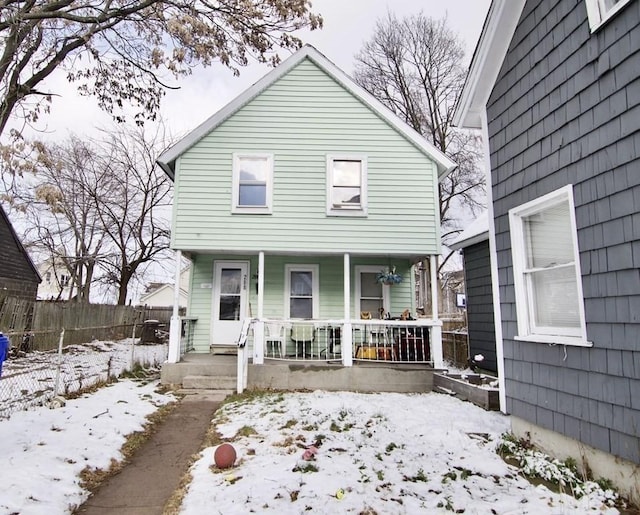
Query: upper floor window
{"x": 64, "y": 280}
{"x": 252, "y": 183}
{"x": 346, "y": 185}
{"x": 546, "y": 269}
{"x": 599, "y": 11}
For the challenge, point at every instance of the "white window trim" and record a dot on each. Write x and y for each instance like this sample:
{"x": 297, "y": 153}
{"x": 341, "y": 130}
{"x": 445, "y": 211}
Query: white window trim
{"x": 576, "y": 337}
{"x": 347, "y": 211}
{"x": 235, "y": 190}
{"x": 315, "y": 284}
{"x": 386, "y": 289}
{"x": 594, "y": 9}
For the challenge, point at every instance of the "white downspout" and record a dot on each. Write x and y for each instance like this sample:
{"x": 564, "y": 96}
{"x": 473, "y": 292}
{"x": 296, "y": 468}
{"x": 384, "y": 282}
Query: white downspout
{"x": 347, "y": 336}
{"x": 493, "y": 258}
{"x": 258, "y": 327}
{"x": 175, "y": 326}
{"x": 436, "y": 329}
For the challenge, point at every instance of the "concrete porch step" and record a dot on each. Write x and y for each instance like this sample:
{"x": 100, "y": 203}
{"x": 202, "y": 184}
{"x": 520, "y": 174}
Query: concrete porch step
{"x": 209, "y": 382}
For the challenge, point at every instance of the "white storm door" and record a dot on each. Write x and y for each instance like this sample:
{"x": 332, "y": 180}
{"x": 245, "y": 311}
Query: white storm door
{"x": 230, "y": 280}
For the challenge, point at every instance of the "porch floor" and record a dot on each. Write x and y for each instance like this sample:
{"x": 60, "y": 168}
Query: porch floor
{"x": 219, "y": 372}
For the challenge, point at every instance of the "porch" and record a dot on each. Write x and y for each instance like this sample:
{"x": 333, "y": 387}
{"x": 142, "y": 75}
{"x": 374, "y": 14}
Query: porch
{"x": 357, "y": 355}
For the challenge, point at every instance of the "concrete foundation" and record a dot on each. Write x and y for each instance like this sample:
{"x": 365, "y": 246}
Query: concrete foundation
{"x": 625, "y": 475}
{"x": 358, "y": 378}
{"x": 219, "y": 372}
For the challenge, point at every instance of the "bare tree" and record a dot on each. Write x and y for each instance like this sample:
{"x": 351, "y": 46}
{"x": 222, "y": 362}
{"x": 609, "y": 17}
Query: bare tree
{"x": 415, "y": 67}
{"x": 98, "y": 210}
{"x": 63, "y": 219}
{"x": 124, "y": 51}
{"x": 135, "y": 213}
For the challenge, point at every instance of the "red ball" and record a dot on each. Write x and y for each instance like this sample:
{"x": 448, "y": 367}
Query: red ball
{"x": 224, "y": 456}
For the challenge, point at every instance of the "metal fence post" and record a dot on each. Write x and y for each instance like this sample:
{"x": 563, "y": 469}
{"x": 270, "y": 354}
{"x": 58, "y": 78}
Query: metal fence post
{"x": 57, "y": 384}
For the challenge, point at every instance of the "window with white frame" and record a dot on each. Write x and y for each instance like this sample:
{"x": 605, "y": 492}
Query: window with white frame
{"x": 302, "y": 292}
{"x": 252, "y": 183}
{"x": 346, "y": 185}
{"x": 599, "y": 11}
{"x": 546, "y": 270}
{"x": 371, "y": 295}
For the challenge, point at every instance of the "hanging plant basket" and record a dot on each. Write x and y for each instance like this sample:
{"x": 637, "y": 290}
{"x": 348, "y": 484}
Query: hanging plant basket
{"x": 389, "y": 276}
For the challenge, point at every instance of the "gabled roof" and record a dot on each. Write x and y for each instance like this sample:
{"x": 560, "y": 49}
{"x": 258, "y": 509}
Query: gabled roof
{"x": 497, "y": 32}
{"x": 162, "y": 287}
{"x": 21, "y": 249}
{"x": 475, "y": 232}
{"x": 168, "y": 158}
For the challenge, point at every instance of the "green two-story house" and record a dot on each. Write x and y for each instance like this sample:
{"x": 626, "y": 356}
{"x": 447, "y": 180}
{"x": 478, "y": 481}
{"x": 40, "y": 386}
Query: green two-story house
{"x": 292, "y": 203}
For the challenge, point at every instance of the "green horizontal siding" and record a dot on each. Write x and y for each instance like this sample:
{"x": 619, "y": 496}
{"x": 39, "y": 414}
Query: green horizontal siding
{"x": 300, "y": 119}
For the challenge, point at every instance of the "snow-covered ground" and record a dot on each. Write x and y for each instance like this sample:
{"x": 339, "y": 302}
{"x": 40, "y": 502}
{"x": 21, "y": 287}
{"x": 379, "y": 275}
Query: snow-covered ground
{"x": 374, "y": 454}
{"x": 30, "y": 380}
{"x": 44, "y": 450}
{"x": 378, "y": 453}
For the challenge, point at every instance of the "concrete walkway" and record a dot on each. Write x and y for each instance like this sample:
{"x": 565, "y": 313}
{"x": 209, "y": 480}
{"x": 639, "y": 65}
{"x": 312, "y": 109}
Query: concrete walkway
{"x": 145, "y": 484}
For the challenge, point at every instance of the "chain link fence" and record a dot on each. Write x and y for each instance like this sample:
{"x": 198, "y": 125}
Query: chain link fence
{"x": 34, "y": 377}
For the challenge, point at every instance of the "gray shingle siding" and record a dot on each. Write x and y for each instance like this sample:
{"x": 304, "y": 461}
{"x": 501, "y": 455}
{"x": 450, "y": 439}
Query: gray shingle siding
{"x": 566, "y": 110}
{"x": 480, "y": 319}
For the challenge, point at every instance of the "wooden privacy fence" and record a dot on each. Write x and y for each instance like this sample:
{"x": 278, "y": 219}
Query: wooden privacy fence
{"x": 42, "y": 321}
{"x": 455, "y": 341}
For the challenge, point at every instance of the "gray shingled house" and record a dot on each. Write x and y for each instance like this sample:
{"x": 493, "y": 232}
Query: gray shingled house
{"x": 19, "y": 280}
{"x": 19, "y": 277}
{"x": 554, "y": 86}
{"x": 473, "y": 242}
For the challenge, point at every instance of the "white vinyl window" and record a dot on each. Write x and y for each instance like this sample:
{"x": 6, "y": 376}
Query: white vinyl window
{"x": 371, "y": 295}
{"x": 599, "y": 11}
{"x": 302, "y": 292}
{"x": 346, "y": 185}
{"x": 546, "y": 270}
{"x": 252, "y": 183}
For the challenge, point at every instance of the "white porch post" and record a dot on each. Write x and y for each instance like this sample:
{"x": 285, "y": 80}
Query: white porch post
{"x": 258, "y": 326}
{"x": 175, "y": 327}
{"x": 347, "y": 336}
{"x": 436, "y": 330}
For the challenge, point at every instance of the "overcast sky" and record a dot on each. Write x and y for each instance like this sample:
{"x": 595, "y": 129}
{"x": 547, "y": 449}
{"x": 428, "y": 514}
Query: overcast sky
{"x": 347, "y": 25}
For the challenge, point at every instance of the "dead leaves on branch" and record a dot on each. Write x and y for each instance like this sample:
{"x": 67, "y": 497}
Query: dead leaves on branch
{"x": 127, "y": 53}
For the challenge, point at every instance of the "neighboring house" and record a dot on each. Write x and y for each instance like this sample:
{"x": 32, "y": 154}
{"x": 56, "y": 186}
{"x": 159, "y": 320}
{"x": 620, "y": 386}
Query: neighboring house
{"x": 554, "y": 86}
{"x": 56, "y": 281}
{"x": 163, "y": 294}
{"x": 289, "y": 202}
{"x": 18, "y": 279}
{"x": 474, "y": 244}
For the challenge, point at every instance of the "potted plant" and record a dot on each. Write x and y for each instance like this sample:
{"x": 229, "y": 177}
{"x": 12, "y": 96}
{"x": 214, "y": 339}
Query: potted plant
{"x": 389, "y": 276}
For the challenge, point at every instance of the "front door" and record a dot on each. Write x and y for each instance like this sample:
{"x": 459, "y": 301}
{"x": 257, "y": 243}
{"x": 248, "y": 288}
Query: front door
{"x": 230, "y": 280}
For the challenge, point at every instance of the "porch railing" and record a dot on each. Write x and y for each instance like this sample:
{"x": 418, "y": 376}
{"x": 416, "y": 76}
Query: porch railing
{"x": 409, "y": 341}
{"x": 188, "y": 325}
{"x": 403, "y": 341}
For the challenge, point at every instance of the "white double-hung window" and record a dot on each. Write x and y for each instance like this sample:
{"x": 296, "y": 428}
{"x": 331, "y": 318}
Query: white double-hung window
{"x": 346, "y": 185}
{"x": 252, "y": 183}
{"x": 599, "y": 11}
{"x": 546, "y": 269}
{"x": 302, "y": 291}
